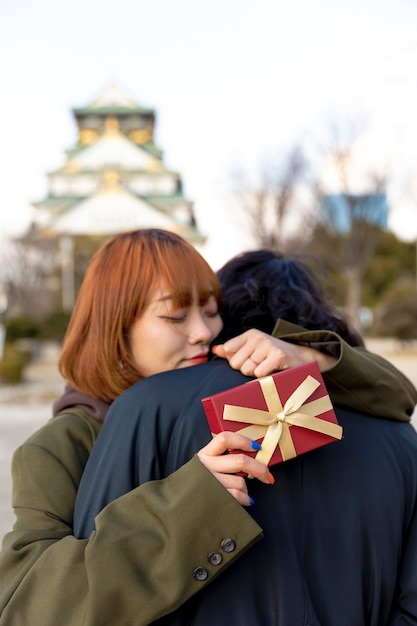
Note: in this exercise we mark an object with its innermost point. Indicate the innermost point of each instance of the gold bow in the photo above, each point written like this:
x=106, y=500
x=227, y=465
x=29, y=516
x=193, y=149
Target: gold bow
x=274, y=425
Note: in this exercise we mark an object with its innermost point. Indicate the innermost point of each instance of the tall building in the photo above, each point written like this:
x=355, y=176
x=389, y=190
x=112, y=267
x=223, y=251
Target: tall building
x=114, y=178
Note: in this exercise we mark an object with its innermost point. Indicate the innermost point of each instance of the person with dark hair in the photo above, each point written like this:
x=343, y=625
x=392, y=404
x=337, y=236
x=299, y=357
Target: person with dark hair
x=340, y=523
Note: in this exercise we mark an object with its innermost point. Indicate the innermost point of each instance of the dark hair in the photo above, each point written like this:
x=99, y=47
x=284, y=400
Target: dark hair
x=260, y=287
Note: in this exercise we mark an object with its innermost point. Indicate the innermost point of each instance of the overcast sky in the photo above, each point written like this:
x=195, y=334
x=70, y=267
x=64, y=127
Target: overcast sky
x=231, y=81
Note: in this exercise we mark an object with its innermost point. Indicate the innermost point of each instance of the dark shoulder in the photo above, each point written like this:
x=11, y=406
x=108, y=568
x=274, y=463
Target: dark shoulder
x=371, y=436
x=176, y=386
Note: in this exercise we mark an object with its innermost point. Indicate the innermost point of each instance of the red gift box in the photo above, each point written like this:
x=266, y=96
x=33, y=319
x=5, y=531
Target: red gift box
x=289, y=412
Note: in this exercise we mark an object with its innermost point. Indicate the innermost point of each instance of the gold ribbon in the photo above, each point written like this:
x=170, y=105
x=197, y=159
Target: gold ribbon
x=274, y=425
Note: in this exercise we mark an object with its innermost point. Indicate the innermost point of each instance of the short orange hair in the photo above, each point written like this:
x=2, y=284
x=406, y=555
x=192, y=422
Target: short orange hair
x=96, y=358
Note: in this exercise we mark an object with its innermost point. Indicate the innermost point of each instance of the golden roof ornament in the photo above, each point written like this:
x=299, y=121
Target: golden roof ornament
x=111, y=125
x=87, y=136
x=111, y=182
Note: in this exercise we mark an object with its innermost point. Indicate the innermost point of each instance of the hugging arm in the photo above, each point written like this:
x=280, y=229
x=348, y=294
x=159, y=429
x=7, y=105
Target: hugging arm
x=360, y=380
x=354, y=377
x=49, y=577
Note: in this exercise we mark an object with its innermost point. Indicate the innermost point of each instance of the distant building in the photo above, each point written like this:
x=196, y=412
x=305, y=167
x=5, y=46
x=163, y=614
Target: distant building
x=340, y=210
x=114, y=178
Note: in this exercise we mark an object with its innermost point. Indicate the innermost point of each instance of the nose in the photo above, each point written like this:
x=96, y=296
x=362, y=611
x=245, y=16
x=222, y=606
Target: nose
x=199, y=331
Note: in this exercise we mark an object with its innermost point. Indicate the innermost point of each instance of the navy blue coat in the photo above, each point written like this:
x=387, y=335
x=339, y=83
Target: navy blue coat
x=340, y=523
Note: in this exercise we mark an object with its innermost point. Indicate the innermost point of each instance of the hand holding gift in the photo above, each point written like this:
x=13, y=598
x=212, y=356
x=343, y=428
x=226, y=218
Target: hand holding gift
x=289, y=412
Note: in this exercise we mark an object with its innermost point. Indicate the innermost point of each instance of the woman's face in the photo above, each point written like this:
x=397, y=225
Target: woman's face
x=165, y=338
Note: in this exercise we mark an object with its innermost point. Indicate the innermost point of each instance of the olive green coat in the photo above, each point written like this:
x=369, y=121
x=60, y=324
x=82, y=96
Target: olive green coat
x=360, y=380
x=139, y=563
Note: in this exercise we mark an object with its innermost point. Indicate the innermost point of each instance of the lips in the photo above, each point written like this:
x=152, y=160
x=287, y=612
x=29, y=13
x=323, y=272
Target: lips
x=198, y=359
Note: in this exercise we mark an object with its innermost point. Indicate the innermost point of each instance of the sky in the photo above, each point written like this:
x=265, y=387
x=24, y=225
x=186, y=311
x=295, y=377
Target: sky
x=233, y=84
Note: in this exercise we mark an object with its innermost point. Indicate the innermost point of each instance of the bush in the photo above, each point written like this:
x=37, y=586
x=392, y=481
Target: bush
x=23, y=327
x=52, y=327
x=55, y=326
x=396, y=313
x=12, y=365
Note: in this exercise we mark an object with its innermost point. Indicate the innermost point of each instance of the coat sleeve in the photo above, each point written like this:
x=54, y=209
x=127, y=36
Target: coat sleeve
x=138, y=565
x=360, y=380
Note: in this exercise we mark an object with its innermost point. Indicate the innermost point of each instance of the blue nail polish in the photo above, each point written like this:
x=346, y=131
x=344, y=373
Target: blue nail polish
x=251, y=501
x=256, y=446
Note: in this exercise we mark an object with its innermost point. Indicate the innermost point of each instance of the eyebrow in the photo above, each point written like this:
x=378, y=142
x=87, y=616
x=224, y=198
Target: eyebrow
x=164, y=298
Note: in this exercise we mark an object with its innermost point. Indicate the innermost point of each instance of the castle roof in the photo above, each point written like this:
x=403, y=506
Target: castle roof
x=111, y=211
x=112, y=101
x=114, y=149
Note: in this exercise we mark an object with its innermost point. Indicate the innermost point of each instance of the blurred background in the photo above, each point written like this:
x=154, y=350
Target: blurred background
x=237, y=124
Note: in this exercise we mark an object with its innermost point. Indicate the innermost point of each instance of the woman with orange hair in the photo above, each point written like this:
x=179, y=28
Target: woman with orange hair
x=148, y=303
x=136, y=275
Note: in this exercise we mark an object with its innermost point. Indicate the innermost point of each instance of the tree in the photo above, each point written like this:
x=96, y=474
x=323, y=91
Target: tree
x=333, y=206
x=352, y=208
x=396, y=312
x=278, y=204
x=25, y=275
x=393, y=261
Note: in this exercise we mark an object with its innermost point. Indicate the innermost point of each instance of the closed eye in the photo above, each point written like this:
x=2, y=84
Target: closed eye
x=173, y=320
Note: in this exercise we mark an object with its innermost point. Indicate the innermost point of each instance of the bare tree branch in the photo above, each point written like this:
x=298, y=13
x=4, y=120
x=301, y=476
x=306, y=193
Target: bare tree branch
x=276, y=199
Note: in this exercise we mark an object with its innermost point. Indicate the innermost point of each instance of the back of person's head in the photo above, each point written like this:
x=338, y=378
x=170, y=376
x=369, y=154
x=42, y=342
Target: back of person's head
x=119, y=282
x=261, y=286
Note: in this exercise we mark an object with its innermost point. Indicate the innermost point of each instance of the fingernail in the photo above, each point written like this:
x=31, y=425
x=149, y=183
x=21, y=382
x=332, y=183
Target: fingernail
x=271, y=479
x=251, y=501
x=256, y=446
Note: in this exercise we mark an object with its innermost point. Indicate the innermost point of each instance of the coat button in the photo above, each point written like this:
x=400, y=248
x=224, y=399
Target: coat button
x=200, y=573
x=215, y=558
x=228, y=545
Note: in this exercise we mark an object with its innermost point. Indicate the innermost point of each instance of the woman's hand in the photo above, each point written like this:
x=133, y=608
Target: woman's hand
x=224, y=466
x=255, y=353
